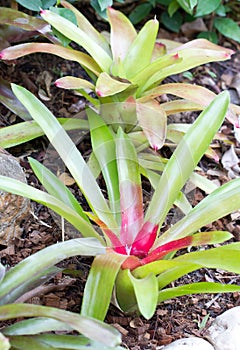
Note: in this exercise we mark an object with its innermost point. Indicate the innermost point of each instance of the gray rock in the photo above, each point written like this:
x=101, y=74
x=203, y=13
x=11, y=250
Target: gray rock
x=224, y=333
x=192, y=343
x=13, y=209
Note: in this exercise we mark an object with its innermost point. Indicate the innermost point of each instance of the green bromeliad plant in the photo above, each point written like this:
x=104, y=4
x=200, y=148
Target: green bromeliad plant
x=128, y=67
x=136, y=260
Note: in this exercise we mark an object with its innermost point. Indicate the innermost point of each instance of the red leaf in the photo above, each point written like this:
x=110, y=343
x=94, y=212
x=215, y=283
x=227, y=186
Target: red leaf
x=161, y=251
x=144, y=240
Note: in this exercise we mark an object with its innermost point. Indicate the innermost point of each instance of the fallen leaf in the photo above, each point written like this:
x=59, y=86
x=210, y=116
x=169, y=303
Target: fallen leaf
x=66, y=179
x=230, y=162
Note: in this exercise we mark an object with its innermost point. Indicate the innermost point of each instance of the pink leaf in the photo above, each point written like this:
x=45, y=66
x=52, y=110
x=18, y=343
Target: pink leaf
x=144, y=240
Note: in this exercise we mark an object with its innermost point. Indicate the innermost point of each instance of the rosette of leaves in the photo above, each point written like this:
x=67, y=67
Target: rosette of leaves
x=43, y=327
x=138, y=261
x=129, y=67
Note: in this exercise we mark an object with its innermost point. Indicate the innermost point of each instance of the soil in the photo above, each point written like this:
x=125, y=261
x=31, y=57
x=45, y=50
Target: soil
x=174, y=319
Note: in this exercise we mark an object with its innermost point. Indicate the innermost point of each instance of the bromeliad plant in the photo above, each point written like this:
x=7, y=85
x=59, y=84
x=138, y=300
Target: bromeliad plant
x=139, y=261
x=129, y=68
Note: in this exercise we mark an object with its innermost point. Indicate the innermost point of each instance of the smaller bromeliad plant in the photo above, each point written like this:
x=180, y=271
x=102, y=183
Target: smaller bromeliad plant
x=136, y=261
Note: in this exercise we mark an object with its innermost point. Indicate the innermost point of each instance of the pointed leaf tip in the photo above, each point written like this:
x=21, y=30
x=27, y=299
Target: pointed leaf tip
x=43, y=12
x=99, y=93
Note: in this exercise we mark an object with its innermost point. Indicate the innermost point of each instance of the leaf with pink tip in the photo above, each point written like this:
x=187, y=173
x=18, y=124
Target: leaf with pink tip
x=20, y=19
x=108, y=86
x=77, y=35
x=140, y=52
x=159, y=50
x=122, y=34
x=197, y=94
x=190, y=57
x=21, y=50
x=201, y=238
x=131, y=201
x=73, y=83
x=141, y=78
x=205, y=45
x=152, y=119
x=86, y=26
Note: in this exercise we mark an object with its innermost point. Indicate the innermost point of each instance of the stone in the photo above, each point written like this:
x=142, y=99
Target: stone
x=192, y=343
x=224, y=332
x=13, y=208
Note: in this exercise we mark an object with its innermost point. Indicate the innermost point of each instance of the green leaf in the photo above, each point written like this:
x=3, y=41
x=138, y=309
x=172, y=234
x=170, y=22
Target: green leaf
x=159, y=64
x=188, y=56
x=228, y=28
x=74, y=83
x=70, y=342
x=70, y=16
x=188, y=5
x=96, y=6
x=22, y=343
x=218, y=258
x=212, y=36
x=39, y=262
x=108, y=86
x=173, y=7
x=80, y=37
x=221, y=202
x=124, y=292
x=92, y=329
x=140, y=52
x=146, y=291
x=46, y=4
x=35, y=326
x=172, y=23
x=17, y=134
x=185, y=158
x=55, y=187
x=140, y=12
x=104, y=4
x=205, y=7
x=33, y=5
x=99, y=285
x=196, y=288
x=103, y=145
x=86, y=26
x=21, y=189
x=69, y=154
